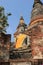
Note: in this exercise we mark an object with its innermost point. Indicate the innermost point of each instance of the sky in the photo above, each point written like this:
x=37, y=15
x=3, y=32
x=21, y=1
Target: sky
x=17, y=8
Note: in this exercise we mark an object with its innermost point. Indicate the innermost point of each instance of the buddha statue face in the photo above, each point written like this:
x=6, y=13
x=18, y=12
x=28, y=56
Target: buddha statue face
x=36, y=1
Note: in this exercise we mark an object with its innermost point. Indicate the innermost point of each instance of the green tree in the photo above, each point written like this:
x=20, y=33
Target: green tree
x=3, y=20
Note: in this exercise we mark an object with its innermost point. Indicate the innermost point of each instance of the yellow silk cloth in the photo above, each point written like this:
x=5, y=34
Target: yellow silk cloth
x=20, y=40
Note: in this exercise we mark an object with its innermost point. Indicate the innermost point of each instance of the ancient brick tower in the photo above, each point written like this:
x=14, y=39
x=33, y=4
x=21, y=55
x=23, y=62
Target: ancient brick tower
x=5, y=39
x=35, y=30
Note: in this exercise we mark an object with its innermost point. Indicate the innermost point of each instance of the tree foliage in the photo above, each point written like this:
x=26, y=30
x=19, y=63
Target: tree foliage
x=3, y=20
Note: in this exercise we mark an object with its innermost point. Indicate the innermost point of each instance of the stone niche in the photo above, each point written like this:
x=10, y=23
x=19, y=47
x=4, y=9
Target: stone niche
x=37, y=41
